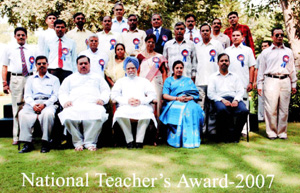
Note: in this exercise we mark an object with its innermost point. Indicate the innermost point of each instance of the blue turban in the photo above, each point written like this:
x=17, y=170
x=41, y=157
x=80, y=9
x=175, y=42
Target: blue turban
x=133, y=60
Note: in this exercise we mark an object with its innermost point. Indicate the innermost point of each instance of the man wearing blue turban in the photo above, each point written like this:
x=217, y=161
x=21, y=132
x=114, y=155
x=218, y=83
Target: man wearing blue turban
x=134, y=95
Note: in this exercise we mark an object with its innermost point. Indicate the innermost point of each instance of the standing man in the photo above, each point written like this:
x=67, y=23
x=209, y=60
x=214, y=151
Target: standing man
x=162, y=34
x=233, y=18
x=119, y=23
x=79, y=34
x=277, y=77
x=83, y=95
x=61, y=52
x=134, y=39
x=260, y=111
x=191, y=32
x=41, y=92
x=183, y=50
x=98, y=59
x=20, y=59
x=48, y=34
x=107, y=38
x=226, y=90
x=242, y=63
x=218, y=35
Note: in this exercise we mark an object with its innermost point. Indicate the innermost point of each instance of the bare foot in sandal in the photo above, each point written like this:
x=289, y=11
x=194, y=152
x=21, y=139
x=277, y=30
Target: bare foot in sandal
x=79, y=148
x=92, y=148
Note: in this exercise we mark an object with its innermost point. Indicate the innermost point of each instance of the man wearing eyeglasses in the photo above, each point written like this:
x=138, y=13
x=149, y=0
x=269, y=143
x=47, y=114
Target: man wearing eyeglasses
x=218, y=35
x=277, y=77
x=41, y=91
x=19, y=57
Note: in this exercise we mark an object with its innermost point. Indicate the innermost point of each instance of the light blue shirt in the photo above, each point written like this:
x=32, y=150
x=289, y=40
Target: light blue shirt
x=119, y=26
x=41, y=87
x=69, y=58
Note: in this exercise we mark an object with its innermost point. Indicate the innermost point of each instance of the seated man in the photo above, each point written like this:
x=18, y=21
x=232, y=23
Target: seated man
x=83, y=95
x=226, y=90
x=41, y=92
x=133, y=94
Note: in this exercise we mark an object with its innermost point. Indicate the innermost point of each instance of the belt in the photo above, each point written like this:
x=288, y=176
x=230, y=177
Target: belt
x=275, y=76
x=20, y=74
x=41, y=98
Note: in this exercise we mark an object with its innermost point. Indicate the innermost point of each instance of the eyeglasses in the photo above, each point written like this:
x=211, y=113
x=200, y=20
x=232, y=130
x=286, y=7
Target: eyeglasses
x=131, y=68
x=41, y=63
x=277, y=35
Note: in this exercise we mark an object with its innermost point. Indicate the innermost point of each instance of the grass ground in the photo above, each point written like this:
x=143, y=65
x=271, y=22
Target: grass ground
x=243, y=164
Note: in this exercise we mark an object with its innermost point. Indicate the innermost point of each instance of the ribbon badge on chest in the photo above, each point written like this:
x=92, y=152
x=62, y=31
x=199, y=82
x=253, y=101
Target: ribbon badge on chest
x=285, y=59
x=212, y=53
x=165, y=39
x=241, y=58
x=196, y=40
x=87, y=43
x=65, y=52
x=102, y=63
x=112, y=43
x=184, y=53
x=136, y=42
x=124, y=30
x=244, y=41
x=156, y=60
x=31, y=61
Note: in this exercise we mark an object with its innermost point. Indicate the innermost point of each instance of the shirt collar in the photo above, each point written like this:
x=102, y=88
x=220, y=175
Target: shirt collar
x=159, y=29
x=273, y=47
x=183, y=41
x=228, y=74
x=45, y=76
x=116, y=21
x=77, y=29
x=109, y=33
x=136, y=30
x=24, y=46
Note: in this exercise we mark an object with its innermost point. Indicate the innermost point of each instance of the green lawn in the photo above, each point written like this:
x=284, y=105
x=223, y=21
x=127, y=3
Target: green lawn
x=259, y=159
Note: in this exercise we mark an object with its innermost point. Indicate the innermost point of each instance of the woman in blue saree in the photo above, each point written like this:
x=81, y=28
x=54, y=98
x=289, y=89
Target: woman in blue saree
x=182, y=114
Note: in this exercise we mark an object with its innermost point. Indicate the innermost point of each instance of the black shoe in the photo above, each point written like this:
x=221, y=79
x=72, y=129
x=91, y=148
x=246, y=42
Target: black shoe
x=45, y=147
x=28, y=147
x=139, y=145
x=130, y=145
x=272, y=138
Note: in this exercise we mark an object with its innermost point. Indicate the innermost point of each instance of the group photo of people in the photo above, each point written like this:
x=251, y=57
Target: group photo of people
x=181, y=85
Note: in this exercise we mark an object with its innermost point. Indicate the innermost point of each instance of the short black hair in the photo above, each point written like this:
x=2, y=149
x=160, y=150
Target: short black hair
x=60, y=22
x=179, y=23
x=20, y=29
x=119, y=3
x=238, y=31
x=216, y=19
x=223, y=54
x=276, y=28
x=107, y=16
x=131, y=15
x=51, y=14
x=156, y=14
x=77, y=14
x=177, y=62
x=233, y=13
x=205, y=24
x=150, y=36
x=40, y=58
x=82, y=56
x=188, y=16
x=268, y=42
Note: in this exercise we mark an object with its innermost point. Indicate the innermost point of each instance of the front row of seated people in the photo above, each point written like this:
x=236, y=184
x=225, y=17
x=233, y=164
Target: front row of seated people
x=84, y=93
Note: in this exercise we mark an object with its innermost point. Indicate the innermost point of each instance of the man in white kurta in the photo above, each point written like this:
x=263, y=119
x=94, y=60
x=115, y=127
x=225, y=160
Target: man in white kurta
x=99, y=59
x=83, y=95
x=41, y=91
x=134, y=95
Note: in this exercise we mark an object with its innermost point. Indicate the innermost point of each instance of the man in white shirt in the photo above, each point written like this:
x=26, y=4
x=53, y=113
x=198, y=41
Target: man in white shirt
x=48, y=34
x=119, y=23
x=83, y=95
x=20, y=58
x=183, y=50
x=41, y=91
x=79, y=34
x=226, y=90
x=134, y=39
x=277, y=77
x=133, y=94
x=218, y=35
x=191, y=32
x=99, y=59
x=61, y=53
x=242, y=63
x=107, y=38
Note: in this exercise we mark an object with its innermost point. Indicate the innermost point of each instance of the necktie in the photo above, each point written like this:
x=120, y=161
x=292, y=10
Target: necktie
x=157, y=35
x=24, y=66
x=60, y=61
x=191, y=35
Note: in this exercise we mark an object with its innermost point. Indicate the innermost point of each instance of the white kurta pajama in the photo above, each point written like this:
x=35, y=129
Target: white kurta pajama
x=138, y=88
x=83, y=90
